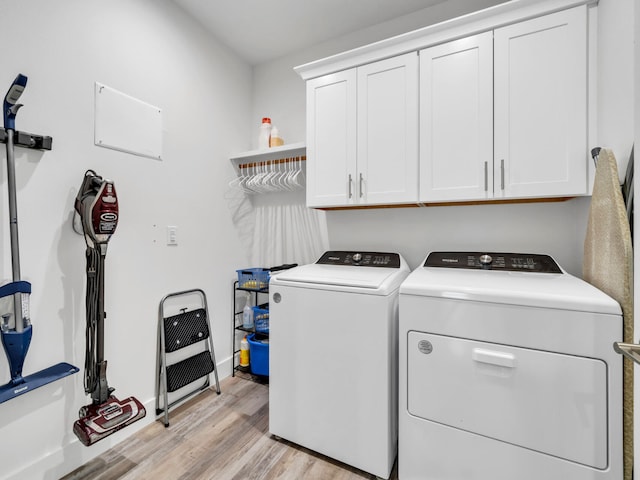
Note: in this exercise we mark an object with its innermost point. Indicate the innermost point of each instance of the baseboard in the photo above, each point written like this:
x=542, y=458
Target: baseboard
x=74, y=454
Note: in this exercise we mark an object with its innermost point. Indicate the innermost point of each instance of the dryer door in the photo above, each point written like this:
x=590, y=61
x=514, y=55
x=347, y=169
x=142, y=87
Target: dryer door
x=548, y=402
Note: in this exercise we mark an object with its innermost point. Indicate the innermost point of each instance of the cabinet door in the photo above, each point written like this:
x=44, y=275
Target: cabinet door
x=541, y=106
x=331, y=140
x=388, y=131
x=456, y=120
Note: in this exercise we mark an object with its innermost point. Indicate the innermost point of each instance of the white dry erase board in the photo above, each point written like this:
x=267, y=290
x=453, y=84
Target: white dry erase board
x=127, y=124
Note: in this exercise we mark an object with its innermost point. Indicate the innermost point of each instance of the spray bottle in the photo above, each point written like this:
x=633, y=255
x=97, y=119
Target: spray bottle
x=247, y=313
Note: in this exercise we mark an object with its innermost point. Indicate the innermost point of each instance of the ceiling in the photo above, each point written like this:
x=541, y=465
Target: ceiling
x=260, y=31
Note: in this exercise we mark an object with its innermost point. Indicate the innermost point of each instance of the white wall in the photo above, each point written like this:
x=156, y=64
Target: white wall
x=616, y=77
x=554, y=228
x=150, y=50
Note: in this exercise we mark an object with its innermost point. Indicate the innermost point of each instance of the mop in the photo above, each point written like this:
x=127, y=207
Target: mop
x=96, y=207
x=15, y=325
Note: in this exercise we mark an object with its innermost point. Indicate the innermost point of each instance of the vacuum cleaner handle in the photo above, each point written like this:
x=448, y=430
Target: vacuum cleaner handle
x=10, y=107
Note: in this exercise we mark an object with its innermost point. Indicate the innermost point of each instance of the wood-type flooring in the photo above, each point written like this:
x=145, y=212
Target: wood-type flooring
x=215, y=437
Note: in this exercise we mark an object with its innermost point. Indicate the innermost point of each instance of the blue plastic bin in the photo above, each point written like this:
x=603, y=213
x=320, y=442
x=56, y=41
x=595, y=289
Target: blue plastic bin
x=253, y=278
x=261, y=319
x=259, y=354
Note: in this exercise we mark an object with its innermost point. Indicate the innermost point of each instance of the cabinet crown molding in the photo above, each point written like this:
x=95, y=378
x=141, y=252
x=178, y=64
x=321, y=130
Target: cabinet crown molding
x=487, y=19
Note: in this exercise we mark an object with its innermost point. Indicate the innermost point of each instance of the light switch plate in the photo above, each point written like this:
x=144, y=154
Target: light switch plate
x=172, y=235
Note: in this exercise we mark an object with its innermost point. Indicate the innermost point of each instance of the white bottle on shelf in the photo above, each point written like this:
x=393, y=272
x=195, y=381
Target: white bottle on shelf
x=265, y=133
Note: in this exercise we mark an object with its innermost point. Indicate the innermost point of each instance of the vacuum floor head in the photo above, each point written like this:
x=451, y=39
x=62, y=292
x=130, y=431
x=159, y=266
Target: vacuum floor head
x=99, y=421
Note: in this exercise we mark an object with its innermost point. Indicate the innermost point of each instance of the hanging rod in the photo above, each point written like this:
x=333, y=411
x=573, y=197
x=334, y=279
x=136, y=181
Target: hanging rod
x=629, y=350
x=273, y=162
x=595, y=153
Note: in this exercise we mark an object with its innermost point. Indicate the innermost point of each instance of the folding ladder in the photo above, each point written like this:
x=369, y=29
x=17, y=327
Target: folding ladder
x=185, y=349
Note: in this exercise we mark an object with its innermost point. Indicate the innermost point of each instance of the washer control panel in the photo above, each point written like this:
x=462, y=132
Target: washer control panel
x=510, y=262
x=360, y=259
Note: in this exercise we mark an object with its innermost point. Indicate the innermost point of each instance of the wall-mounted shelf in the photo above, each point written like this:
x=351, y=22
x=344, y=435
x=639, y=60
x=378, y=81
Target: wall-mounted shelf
x=268, y=154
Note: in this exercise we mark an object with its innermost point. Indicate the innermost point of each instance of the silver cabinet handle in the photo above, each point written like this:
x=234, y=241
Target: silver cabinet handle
x=486, y=176
x=350, y=183
x=360, y=186
x=502, y=174
x=629, y=350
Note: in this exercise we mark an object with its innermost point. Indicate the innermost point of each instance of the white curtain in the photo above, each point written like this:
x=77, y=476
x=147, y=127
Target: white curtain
x=277, y=227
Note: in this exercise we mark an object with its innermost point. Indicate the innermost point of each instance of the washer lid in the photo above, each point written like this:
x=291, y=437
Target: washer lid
x=372, y=278
x=545, y=290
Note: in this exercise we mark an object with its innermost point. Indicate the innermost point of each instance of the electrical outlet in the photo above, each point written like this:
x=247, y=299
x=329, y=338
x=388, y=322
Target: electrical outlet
x=172, y=235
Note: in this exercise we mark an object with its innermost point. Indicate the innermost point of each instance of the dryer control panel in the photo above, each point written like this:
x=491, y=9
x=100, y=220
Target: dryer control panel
x=511, y=262
x=360, y=259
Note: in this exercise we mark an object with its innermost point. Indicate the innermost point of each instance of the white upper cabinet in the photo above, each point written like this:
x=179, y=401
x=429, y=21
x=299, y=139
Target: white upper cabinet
x=388, y=131
x=362, y=135
x=540, y=82
x=331, y=139
x=456, y=120
x=487, y=107
x=504, y=113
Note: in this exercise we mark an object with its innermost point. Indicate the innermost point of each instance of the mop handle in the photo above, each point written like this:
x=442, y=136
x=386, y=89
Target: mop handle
x=10, y=108
x=13, y=208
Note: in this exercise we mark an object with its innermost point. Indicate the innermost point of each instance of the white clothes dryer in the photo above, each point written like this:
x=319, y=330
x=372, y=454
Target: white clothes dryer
x=333, y=346
x=507, y=370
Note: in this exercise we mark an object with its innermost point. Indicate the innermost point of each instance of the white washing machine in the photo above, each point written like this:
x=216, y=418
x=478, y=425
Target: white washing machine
x=333, y=347
x=507, y=371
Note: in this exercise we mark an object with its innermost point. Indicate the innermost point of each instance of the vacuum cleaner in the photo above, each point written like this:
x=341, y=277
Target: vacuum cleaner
x=15, y=323
x=96, y=207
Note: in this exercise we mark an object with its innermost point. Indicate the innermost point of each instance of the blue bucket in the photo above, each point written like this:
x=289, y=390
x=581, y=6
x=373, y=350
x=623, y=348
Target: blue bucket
x=259, y=354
